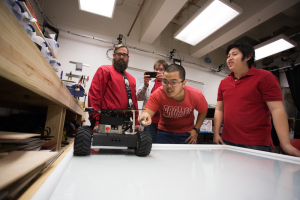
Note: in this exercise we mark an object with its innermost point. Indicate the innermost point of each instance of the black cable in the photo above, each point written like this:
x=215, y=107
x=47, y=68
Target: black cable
x=44, y=16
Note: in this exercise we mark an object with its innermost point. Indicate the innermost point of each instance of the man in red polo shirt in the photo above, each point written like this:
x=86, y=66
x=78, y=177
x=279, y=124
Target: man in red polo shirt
x=108, y=90
x=246, y=98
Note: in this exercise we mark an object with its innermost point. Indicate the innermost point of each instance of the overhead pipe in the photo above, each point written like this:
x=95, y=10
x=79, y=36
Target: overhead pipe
x=284, y=68
x=136, y=17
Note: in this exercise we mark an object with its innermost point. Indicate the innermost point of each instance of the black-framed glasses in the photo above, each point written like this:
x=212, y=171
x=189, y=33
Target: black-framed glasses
x=125, y=55
x=172, y=83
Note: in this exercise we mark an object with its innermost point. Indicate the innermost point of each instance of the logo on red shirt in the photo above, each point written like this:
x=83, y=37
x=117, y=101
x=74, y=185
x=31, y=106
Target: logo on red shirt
x=176, y=111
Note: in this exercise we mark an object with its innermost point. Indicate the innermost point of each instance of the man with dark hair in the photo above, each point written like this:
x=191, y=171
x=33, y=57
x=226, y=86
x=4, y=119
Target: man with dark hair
x=176, y=102
x=149, y=87
x=246, y=98
x=108, y=88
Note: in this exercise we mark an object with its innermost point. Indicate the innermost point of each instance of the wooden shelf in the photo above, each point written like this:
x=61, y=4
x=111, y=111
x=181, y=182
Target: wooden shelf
x=27, y=79
x=23, y=64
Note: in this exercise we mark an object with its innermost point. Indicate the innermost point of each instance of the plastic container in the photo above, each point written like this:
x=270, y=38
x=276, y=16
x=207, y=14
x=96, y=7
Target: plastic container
x=18, y=10
x=37, y=39
x=53, y=44
x=55, y=64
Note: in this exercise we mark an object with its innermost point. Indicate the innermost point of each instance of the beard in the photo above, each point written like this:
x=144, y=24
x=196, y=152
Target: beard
x=120, y=65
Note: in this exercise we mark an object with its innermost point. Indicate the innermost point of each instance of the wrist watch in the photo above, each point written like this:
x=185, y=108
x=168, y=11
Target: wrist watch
x=197, y=130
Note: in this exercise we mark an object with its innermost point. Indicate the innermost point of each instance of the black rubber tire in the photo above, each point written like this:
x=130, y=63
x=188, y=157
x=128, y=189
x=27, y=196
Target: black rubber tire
x=83, y=140
x=144, y=144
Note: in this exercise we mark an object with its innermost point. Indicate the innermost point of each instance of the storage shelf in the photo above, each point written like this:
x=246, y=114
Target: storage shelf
x=23, y=64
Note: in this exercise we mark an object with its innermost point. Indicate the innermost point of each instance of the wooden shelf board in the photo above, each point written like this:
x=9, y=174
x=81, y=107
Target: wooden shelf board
x=21, y=62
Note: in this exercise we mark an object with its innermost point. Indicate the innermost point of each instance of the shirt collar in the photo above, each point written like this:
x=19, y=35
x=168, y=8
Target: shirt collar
x=251, y=72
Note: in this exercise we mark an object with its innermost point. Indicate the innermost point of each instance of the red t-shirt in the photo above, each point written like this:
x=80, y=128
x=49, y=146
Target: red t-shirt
x=155, y=118
x=176, y=116
x=108, y=92
x=246, y=115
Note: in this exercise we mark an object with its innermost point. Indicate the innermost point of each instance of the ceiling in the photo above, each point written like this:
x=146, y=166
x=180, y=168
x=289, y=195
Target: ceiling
x=162, y=18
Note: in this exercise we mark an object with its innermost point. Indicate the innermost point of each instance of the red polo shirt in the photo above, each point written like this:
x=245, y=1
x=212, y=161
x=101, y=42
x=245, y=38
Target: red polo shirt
x=107, y=91
x=246, y=115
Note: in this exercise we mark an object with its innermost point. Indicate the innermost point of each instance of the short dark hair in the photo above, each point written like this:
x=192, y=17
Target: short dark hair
x=247, y=51
x=120, y=46
x=176, y=68
x=161, y=62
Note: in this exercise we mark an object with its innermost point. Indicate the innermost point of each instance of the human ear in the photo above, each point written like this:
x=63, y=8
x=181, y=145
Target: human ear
x=183, y=83
x=249, y=57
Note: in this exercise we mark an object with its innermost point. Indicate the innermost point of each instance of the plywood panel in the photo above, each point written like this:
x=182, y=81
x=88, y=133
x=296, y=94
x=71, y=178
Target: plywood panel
x=16, y=136
x=55, y=120
x=18, y=163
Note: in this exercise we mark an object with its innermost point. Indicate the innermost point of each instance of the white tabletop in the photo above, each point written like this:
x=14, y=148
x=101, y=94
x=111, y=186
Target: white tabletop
x=181, y=172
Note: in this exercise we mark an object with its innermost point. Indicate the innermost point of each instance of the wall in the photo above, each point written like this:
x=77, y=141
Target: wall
x=92, y=52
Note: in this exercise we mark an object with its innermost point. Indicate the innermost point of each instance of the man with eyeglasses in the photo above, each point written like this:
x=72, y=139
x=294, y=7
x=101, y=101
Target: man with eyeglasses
x=108, y=88
x=149, y=87
x=176, y=102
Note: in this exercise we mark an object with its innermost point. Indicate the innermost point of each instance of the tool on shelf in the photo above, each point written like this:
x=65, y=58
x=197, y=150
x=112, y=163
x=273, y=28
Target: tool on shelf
x=85, y=80
x=77, y=87
x=80, y=81
x=82, y=78
x=84, y=99
x=73, y=62
x=74, y=75
x=69, y=76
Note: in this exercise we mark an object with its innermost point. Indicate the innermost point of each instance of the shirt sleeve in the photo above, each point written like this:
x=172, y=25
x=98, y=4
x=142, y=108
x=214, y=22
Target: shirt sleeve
x=154, y=101
x=270, y=88
x=96, y=91
x=201, y=103
x=141, y=92
x=220, y=93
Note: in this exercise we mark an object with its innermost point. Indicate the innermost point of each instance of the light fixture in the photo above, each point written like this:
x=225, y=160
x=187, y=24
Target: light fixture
x=273, y=46
x=100, y=7
x=211, y=16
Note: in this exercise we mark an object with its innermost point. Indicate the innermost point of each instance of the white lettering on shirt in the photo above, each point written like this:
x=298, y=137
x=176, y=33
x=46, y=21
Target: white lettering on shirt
x=176, y=111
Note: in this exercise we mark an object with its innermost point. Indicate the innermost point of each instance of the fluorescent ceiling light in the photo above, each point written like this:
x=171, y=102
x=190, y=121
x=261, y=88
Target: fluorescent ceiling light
x=273, y=46
x=211, y=16
x=100, y=7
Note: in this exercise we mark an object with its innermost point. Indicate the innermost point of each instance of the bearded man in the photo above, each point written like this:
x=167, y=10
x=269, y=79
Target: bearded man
x=108, y=88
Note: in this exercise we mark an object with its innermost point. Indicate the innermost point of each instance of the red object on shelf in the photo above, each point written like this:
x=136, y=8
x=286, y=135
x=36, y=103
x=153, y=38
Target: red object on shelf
x=48, y=145
x=31, y=10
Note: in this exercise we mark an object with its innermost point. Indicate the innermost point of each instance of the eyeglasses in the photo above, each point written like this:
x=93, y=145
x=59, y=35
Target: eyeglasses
x=125, y=55
x=172, y=83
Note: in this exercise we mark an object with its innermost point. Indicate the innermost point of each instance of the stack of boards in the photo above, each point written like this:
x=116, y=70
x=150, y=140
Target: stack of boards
x=11, y=141
x=19, y=163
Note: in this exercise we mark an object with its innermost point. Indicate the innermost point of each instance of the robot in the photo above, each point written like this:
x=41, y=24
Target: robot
x=116, y=128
